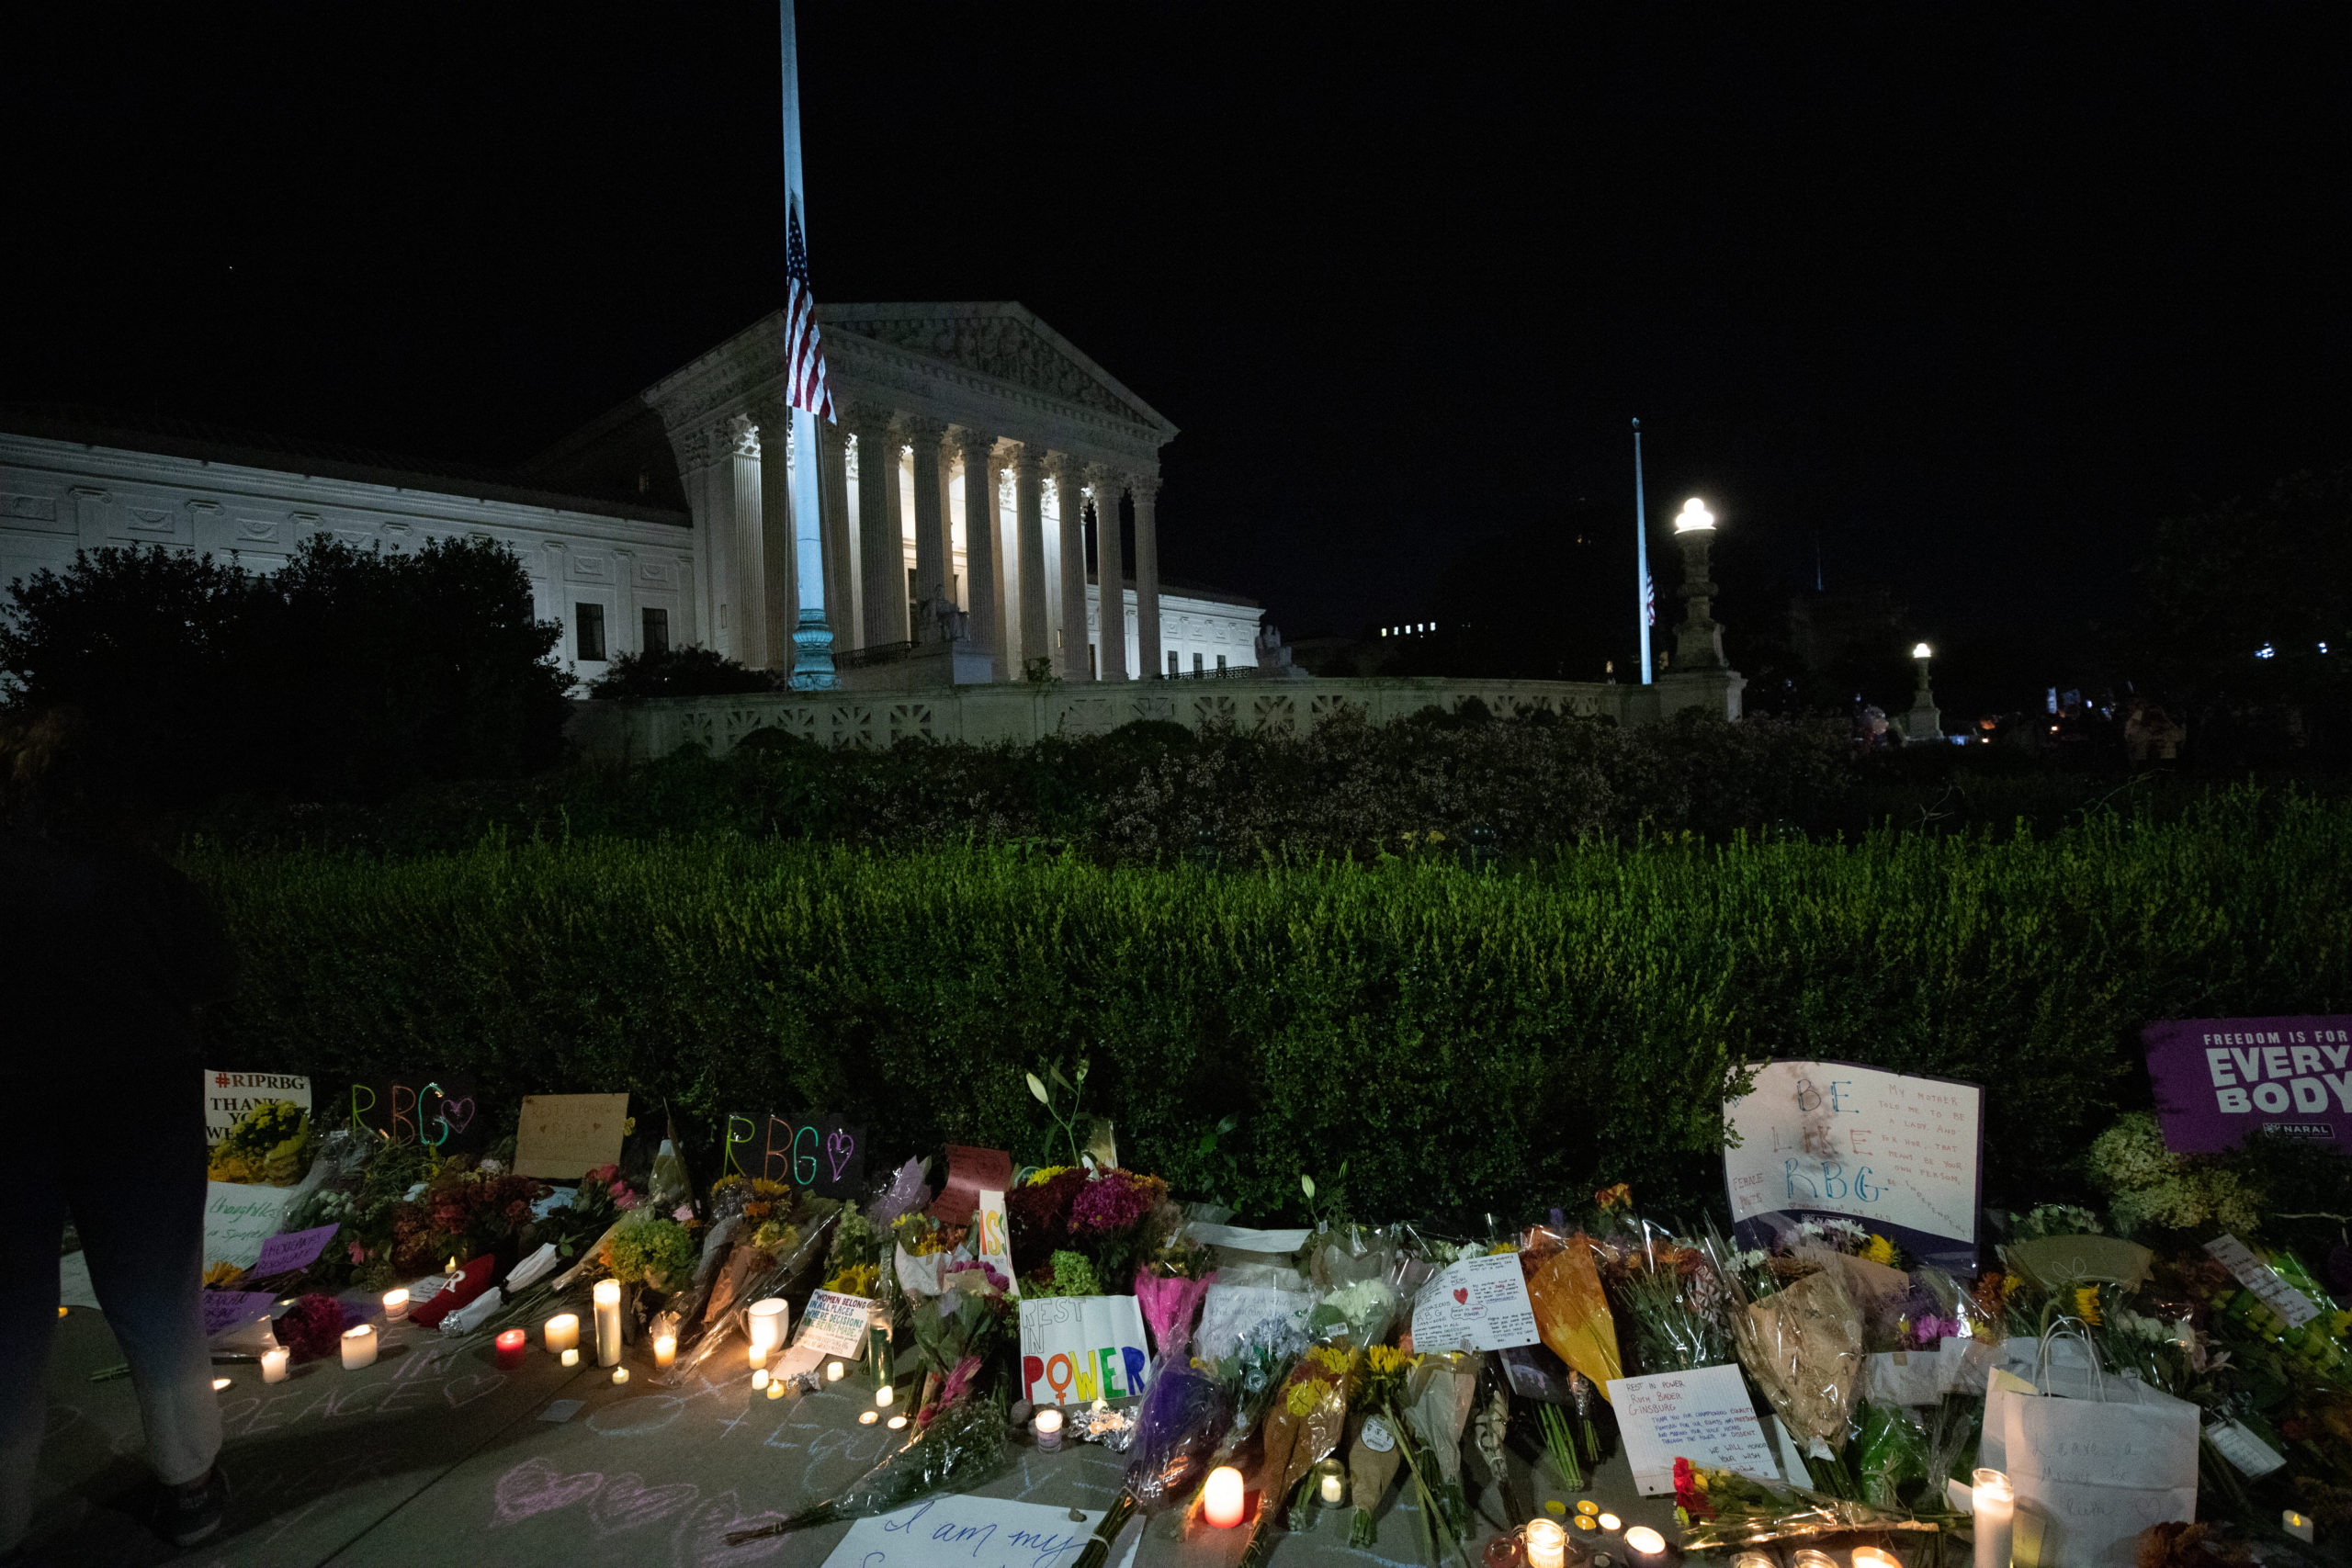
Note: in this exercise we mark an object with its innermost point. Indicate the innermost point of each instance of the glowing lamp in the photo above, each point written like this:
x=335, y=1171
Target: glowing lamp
x=1923, y=651
x=1547, y=1544
x=1223, y=1499
x=1694, y=516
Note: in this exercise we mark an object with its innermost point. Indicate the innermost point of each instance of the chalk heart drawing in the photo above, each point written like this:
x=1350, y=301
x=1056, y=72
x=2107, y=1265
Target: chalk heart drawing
x=466, y=1390
x=626, y=1503
x=839, y=1148
x=535, y=1486
x=702, y=1540
x=458, y=1114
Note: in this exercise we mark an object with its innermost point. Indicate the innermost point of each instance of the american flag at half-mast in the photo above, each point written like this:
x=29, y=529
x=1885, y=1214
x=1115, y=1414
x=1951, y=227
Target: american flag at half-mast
x=805, y=353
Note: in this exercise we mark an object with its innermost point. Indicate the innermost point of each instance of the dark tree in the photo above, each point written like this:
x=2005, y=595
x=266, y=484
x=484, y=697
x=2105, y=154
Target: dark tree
x=679, y=673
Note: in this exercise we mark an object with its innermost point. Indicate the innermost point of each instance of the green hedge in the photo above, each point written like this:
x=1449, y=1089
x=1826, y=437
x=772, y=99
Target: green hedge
x=1463, y=1041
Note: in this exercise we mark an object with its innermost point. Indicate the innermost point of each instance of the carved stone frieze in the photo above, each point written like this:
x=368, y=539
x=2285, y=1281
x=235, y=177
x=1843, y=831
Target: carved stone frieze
x=995, y=345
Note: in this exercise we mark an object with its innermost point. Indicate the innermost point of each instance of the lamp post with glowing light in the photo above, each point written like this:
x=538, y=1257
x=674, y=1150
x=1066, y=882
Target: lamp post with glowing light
x=1698, y=642
x=1925, y=721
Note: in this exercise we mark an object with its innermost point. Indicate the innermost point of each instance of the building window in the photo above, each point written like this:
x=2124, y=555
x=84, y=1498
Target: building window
x=914, y=604
x=1196, y=664
x=657, y=632
x=1171, y=662
x=1220, y=664
x=588, y=631
x=1091, y=674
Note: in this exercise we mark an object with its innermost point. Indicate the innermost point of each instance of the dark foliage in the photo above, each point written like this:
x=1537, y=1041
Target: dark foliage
x=679, y=673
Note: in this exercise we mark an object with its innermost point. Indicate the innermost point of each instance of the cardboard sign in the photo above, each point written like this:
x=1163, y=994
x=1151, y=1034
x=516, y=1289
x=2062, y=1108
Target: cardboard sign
x=2218, y=1079
x=823, y=1153
x=833, y=1324
x=2267, y=1284
x=1704, y=1415
x=1481, y=1300
x=1076, y=1350
x=971, y=1172
x=438, y=1112
x=295, y=1249
x=230, y=1309
x=240, y=1219
x=564, y=1135
x=228, y=1096
x=992, y=1238
x=1900, y=1154
x=964, y=1531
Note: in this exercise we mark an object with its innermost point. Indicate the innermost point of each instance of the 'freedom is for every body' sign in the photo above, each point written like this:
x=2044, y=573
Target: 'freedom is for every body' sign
x=2219, y=1079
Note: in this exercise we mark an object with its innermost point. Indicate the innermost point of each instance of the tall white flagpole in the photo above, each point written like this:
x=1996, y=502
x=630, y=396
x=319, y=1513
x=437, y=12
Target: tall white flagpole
x=812, y=637
x=1641, y=554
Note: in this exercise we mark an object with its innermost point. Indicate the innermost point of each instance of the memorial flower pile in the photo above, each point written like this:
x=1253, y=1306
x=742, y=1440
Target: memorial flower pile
x=270, y=1144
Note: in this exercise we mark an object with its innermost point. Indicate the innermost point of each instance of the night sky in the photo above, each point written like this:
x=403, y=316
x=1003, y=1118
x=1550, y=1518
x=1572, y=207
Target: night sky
x=1964, y=297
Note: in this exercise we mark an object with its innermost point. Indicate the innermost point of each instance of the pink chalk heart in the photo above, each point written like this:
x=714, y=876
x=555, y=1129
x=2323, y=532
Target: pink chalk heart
x=626, y=1503
x=535, y=1487
x=457, y=1113
x=1462, y=1294
x=840, y=1148
x=702, y=1539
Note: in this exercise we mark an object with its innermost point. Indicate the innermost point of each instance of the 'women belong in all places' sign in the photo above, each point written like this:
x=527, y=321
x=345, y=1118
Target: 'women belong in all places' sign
x=2219, y=1079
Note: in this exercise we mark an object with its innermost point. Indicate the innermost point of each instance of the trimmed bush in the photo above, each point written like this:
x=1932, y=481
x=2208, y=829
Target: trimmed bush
x=1466, y=1042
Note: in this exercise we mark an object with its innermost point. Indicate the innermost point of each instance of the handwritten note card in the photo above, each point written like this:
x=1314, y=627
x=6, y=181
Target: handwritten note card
x=1079, y=1348
x=971, y=1172
x=228, y=1096
x=563, y=1136
x=296, y=1249
x=967, y=1532
x=1482, y=1300
x=833, y=1324
x=1884, y=1147
x=1704, y=1416
x=239, y=1219
x=2264, y=1280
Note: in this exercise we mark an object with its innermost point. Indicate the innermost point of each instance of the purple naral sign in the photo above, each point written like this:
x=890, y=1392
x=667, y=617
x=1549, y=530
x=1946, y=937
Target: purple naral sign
x=2219, y=1079
x=296, y=1249
x=224, y=1309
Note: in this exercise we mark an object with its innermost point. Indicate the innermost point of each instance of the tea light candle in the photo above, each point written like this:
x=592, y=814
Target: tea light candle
x=1047, y=1426
x=1547, y=1544
x=1584, y=1522
x=868, y=1417
x=2295, y=1524
x=620, y=1374
x=571, y=1355
x=1648, y=1547
x=759, y=1377
x=1586, y=1505
x=775, y=1389
x=219, y=1384
x=512, y=1345
x=1810, y=1558
x=561, y=1333
x=763, y=1325
x=358, y=1348
x=835, y=1371
x=1331, y=1482
x=883, y=1395
x=1876, y=1557
x=275, y=1365
x=608, y=1298
x=1223, y=1498
x=395, y=1305
x=1610, y=1521
x=897, y=1423
x=1753, y=1560
x=1994, y=1502
x=665, y=1350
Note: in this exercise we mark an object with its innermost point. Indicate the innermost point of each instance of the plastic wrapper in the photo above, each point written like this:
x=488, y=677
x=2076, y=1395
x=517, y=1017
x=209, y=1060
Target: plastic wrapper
x=1305, y=1424
x=1361, y=1313
x=1439, y=1395
x=1675, y=1303
x=1572, y=1311
x=1184, y=1416
x=749, y=1275
x=1803, y=1346
x=965, y=1446
x=1348, y=1256
x=1170, y=1306
x=1725, y=1511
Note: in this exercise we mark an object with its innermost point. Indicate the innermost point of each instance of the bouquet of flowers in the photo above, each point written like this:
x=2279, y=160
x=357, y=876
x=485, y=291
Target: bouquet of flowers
x=1675, y=1302
x=1308, y=1419
x=1177, y=1428
x=1375, y=1449
x=1724, y=1511
x=1571, y=1310
x=269, y=1146
x=1802, y=1345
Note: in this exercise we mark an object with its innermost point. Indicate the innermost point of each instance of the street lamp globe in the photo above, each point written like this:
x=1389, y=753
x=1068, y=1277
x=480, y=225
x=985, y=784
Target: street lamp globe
x=1923, y=651
x=1693, y=516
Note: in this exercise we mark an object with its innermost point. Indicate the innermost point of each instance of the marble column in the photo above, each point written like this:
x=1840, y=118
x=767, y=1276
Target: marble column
x=840, y=559
x=1110, y=573
x=1149, y=662
x=1029, y=528
x=771, y=584
x=987, y=595
x=1070, y=476
x=739, y=471
x=932, y=559
x=881, y=550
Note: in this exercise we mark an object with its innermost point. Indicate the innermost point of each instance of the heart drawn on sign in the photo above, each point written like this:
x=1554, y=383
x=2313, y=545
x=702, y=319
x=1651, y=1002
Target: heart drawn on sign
x=1462, y=1294
x=535, y=1486
x=839, y=1146
x=457, y=1113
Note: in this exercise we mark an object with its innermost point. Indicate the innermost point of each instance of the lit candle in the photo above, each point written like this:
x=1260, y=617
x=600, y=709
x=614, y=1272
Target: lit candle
x=1648, y=1547
x=1584, y=1522
x=1586, y=1505
x=512, y=1345
x=868, y=1417
x=2297, y=1525
x=1753, y=1560
x=607, y=1297
x=219, y=1384
x=395, y=1305
x=1547, y=1544
x=1876, y=1557
x=1610, y=1521
x=883, y=1395
x=358, y=1348
x=835, y=1371
x=1047, y=1426
x=274, y=1364
x=1810, y=1558
x=775, y=1389
x=758, y=1355
x=620, y=1374
x=1223, y=1499
x=897, y=1423
x=759, y=1377
x=571, y=1355
x=562, y=1333
x=1331, y=1482
x=764, y=1323
x=1996, y=1506
x=665, y=1350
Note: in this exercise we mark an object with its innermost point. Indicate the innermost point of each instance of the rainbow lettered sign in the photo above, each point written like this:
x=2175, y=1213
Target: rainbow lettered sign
x=1075, y=1349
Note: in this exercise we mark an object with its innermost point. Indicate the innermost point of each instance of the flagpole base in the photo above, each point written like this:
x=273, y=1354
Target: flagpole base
x=812, y=655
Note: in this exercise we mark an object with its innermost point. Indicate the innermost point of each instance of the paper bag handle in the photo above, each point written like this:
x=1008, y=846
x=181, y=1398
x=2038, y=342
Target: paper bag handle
x=2058, y=1330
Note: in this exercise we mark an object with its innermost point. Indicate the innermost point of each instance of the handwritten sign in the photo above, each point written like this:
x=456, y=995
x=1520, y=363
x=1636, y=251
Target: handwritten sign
x=295, y=1249
x=2218, y=1079
x=437, y=1110
x=967, y=1532
x=228, y=1096
x=563, y=1136
x=1895, y=1152
x=239, y=1219
x=1079, y=1348
x=824, y=1153
x=1704, y=1415
x=993, y=1238
x=2267, y=1284
x=833, y=1324
x=1482, y=1300
x=971, y=1172
x=230, y=1309
x=1229, y=1312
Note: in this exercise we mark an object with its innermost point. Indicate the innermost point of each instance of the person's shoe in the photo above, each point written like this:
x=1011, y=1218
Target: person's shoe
x=192, y=1510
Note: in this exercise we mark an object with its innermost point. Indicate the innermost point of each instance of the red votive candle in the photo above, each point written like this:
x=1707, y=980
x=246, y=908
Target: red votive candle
x=512, y=1345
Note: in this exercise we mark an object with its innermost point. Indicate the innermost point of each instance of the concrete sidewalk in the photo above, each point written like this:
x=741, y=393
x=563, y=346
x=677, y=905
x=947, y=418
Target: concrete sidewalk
x=434, y=1456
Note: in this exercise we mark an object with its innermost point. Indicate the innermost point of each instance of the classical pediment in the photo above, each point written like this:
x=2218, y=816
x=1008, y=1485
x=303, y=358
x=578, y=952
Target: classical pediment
x=997, y=339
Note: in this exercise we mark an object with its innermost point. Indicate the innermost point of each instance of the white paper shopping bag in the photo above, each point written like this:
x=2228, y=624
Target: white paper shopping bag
x=2092, y=1472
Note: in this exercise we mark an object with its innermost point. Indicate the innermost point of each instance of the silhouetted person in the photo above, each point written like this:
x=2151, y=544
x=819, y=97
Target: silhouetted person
x=111, y=951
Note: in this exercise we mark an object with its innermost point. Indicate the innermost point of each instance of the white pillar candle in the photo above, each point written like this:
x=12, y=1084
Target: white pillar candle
x=358, y=1348
x=882, y=1395
x=608, y=1322
x=764, y=1323
x=274, y=1365
x=759, y=1378
x=665, y=1350
x=1223, y=1498
x=1547, y=1544
x=835, y=1371
x=1335, y=1489
x=1996, y=1506
x=395, y=1305
x=562, y=1333
x=571, y=1355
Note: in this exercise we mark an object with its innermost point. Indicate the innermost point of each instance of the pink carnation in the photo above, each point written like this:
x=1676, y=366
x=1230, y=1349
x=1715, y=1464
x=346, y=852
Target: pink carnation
x=1115, y=1200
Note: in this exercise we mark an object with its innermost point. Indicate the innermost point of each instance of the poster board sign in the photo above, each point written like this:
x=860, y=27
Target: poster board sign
x=993, y=1240
x=970, y=1172
x=824, y=1153
x=1900, y=1154
x=1076, y=1350
x=964, y=1531
x=1704, y=1415
x=437, y=1110
x=1480, y=1300
x=228, y=1096
x=295, y=1249
x=833, y=1324
x=2216, y=1079
x=562, y=1136
x=240, y=1219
